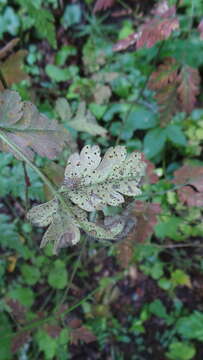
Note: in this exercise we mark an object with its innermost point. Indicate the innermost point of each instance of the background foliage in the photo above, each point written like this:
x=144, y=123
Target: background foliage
x=112, y=73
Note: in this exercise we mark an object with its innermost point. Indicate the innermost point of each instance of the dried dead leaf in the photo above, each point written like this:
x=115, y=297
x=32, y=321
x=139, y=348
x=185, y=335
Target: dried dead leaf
x=189, y=81
x=102, y=5
x=200, y=29
x=30, y=130
x=159, y=27
x=12, y=69
x=82, y=334
x=192, y=177
x=8, y=47
x=145, y=215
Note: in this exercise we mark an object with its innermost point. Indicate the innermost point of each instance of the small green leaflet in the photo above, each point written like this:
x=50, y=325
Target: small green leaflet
x=26, y=127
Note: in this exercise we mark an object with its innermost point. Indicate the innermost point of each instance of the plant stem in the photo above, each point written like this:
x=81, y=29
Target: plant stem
x=2, y=78
x=20, y=154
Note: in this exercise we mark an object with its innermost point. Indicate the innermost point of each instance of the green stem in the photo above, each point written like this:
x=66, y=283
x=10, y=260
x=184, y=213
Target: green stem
x=18, y=152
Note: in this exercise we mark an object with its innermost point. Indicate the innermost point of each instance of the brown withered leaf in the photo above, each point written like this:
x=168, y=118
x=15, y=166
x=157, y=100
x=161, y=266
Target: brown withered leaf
x=159, y=27
x=146, y=218
x=165, y=74
x=200, y=29
x=82, y=334
x=17, y=310
x=102, y=5
x=165, y=82
x=27, y=128
x=124, y=251
x=12, y=69
x=146, y=215
x=53, y=330
x=126, y=42
x=8, y=47
x=156, y=28
x=188, y=89
x=150, y=176
x=192, y=176
x=19, y=340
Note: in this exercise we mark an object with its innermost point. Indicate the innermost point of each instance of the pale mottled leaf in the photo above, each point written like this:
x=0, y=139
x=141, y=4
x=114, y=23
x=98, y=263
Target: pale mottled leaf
x=93, y=184
x=30, y=130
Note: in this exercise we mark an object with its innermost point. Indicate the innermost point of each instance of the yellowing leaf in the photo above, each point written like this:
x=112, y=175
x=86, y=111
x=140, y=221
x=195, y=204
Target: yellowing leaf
x=30, y=130
x=12, y=260
x=83, y=120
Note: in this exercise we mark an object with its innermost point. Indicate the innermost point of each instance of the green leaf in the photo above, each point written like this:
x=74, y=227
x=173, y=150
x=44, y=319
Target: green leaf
x=121, y=86
x=43, y=20
x=181, y=351
x=157, y=308
x=58, y=276
x=30, y=274
x=47, y=344
x=9, y=238
x=175, y=135
x=140, y=118
x=154, y=142
x=165, y=283
x=179, y=277
x=71, y=16
x=24, y=295
x=57, y=74
x=169, y=228
x=190, y=326
x=63, y=54
x=98, y=110
x=5, y=342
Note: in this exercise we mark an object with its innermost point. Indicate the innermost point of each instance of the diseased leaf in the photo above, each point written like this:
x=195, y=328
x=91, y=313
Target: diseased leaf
x=189, y=80
x=93, y=184
x=30, y=130
x=12, y=69
x=192, y=178
x=102, y=5
x=64, y=224
x=83, y=120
